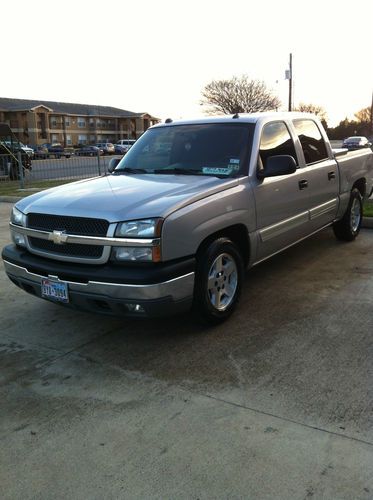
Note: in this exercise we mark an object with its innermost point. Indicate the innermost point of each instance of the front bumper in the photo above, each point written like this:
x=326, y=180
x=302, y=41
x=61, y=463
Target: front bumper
x=162, y=290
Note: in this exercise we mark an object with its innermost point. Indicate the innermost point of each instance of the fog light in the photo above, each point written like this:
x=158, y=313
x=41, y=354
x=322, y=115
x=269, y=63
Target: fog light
x=18, y=239
x=136, y=308
x=133, y=253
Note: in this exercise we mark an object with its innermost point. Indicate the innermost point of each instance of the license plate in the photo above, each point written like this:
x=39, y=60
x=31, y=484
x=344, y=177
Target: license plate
x=55, y=290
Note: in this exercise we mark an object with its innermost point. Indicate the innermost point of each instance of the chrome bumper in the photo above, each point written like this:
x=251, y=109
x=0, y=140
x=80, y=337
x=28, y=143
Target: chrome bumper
x=88, y=295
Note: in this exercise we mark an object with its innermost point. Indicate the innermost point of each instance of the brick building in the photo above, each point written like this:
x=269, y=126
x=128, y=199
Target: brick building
x=38, y=122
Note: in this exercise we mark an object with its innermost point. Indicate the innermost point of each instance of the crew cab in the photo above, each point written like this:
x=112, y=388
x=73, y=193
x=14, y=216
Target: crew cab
x=176, y=221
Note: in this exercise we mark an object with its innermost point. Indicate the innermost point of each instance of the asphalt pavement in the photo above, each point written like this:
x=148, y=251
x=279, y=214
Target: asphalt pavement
x=277, y=403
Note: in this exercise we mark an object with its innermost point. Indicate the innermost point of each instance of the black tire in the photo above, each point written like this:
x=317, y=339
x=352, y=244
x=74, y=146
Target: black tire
x=348, y=227
x=216, y=296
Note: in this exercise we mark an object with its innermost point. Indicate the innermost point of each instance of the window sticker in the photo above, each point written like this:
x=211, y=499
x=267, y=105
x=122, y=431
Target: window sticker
x=217, y=170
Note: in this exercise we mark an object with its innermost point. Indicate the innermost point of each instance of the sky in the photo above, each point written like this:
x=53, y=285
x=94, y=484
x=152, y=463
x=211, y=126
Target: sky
x=157, y=56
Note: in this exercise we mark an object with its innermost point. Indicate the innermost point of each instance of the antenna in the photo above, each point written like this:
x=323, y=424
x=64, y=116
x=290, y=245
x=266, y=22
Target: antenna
x=290, y=81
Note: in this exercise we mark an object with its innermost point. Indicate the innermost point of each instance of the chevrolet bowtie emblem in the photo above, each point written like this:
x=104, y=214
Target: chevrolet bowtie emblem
x=58, y=237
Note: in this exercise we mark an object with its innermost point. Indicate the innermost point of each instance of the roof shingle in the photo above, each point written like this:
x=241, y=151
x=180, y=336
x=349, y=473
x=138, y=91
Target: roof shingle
x=9, y=104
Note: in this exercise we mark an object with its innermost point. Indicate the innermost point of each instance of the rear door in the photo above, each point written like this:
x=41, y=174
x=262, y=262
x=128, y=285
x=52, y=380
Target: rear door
x=282, y=202
x=320, y=173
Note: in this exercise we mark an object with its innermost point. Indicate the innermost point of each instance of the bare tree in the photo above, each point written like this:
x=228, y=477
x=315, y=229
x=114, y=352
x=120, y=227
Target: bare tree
x=238, y=95
x=315, y=110
x=364, y=115
x=312, y=108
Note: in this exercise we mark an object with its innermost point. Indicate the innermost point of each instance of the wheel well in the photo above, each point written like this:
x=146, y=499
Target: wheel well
x=360, y=184
x=238, y=234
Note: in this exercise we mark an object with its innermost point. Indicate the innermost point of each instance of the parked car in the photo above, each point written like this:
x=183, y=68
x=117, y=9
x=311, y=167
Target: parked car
x=40, y=152
x=57, y=150
x=356, y=142
x=174, y=227
x=107, y=147
x=120, y=150
x=126, y=143
x=89, y=151
x=10, y=147
x=26, y=149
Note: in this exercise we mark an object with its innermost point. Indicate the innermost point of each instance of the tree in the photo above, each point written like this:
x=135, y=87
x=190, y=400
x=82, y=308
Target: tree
x=314, y=109
x=238, y=95
x=364, y=115
x=362, y=125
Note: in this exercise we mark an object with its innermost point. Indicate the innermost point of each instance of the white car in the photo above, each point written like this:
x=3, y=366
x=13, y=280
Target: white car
x=29, y=151
x=126, y=144
x=356, y=142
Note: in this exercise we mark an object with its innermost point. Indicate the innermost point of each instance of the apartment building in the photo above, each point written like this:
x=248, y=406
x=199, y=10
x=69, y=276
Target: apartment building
x=38, y=122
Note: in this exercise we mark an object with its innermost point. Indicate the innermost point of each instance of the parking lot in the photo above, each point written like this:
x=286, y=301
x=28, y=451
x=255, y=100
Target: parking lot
x=276, y=403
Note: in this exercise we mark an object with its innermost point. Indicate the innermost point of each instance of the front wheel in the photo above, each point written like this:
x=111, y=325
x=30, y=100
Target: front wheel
x=348, y=227
x=219, y=276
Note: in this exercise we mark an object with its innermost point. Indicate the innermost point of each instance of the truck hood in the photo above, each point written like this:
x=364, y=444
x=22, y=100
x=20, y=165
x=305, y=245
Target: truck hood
x=125, y=197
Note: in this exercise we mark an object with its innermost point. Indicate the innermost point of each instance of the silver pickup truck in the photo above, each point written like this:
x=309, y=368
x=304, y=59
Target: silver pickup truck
x=175, y=223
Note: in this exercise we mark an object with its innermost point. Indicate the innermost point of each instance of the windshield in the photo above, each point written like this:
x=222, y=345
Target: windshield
x=205, y=149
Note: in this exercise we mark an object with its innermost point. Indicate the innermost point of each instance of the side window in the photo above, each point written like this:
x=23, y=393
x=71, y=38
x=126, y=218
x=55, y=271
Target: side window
x=275, y=140
x=312, y=142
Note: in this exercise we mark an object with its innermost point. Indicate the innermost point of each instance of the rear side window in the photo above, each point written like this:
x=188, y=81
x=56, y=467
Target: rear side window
x=310, y=137
x=275, y=140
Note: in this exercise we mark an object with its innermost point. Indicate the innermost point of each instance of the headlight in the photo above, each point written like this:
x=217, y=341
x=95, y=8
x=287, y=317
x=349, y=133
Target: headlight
x=139, y=229
x=18, y=217
x=146, y=228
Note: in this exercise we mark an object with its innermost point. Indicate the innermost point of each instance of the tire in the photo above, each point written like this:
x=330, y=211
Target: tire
x=218, y=281
x=348, y=227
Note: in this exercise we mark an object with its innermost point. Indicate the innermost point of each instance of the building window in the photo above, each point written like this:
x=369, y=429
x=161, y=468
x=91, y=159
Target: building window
x=53, y=121
x=81, y=123
x=68, y=140
x=54, y=138
x=67, y=122
x=92, y=139
x=82, y=139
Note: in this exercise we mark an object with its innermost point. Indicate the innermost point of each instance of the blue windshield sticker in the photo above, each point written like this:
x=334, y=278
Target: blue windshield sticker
x=234, y=161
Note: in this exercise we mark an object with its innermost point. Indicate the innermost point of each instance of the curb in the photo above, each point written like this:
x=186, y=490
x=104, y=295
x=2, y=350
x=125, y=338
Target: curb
x=367, y=222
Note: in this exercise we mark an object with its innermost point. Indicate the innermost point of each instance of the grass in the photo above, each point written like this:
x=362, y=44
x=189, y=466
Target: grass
x=368, y=208
x=11, y=188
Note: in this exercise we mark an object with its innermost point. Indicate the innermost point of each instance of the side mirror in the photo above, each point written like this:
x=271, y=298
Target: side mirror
x=112, y=164
x=278, y=165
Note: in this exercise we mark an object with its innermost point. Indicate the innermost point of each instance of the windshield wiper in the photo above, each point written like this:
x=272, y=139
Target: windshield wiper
x=129, y=170
x=177, y=170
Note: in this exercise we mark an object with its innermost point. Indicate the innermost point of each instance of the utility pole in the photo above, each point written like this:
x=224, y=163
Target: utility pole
x=371, y=116
x=290, y=81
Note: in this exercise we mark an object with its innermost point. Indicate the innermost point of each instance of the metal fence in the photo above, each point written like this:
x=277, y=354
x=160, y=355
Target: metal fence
x=50, y=171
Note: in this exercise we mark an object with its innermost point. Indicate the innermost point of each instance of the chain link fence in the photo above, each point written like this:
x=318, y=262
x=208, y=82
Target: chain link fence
x=17, y=173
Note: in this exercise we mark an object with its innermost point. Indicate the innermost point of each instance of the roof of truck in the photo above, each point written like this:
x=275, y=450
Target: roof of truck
x=239, y=118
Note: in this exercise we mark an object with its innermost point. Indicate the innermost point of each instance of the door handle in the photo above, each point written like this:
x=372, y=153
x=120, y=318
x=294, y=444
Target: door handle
x=303, y=184
x=331, y=175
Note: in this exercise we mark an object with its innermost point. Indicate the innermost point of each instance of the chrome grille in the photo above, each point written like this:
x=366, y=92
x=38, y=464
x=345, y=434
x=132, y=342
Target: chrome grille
x=81, y=226
x=71, y=249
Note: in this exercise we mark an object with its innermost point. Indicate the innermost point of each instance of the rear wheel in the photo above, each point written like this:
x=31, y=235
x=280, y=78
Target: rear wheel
x=348, y=227
x=219, y=277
